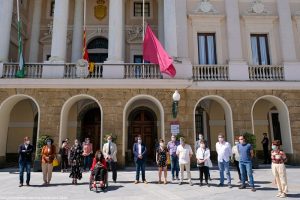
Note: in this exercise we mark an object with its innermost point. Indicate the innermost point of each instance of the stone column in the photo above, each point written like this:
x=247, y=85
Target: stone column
x=161, y=21
x=60, y=29
x=287, y=41
x=77, y=31
x=6, y=11
x=238, y=68
x=116, y=37
x=35, y=31
x=170, y=27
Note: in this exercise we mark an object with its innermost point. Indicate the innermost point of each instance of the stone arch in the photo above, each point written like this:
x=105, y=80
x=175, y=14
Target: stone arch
x=227, y=111
x=5, y=110
x=284, y=119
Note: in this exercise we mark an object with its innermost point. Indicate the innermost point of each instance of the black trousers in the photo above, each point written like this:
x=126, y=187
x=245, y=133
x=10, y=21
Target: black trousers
x=99, y=174
x=113, y=167
x=203, y=170
x=266, y=155
x=64, y=162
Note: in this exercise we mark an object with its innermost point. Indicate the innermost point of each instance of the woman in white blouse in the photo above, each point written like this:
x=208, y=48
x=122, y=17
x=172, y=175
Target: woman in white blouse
x=203, y=162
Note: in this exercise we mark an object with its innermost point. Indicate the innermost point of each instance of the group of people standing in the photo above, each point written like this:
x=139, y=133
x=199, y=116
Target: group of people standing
x=175, y=152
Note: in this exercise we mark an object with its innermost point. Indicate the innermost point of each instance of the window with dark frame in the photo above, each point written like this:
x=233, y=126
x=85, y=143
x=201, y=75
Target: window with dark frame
x=138, y=9
x=207, y=52
x=52, y=6
x=260, y=49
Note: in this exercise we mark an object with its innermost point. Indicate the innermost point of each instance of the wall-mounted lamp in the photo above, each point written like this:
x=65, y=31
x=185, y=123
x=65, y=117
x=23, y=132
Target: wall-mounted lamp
x=176, y=99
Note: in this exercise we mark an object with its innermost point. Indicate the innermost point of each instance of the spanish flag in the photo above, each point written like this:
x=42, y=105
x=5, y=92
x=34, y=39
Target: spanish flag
x=85, y=54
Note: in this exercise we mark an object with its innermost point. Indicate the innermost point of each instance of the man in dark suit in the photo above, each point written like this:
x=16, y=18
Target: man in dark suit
x=139, y=151
x=25, y=157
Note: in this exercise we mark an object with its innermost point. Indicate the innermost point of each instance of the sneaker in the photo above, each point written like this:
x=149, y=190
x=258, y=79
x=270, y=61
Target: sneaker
x=21, y=185
x=242, y=187
x=279, y=194
x=283, y=195
x=253, y=189
x=229, y=185
x=145, y=182
x=220, y=185
x=136, y=182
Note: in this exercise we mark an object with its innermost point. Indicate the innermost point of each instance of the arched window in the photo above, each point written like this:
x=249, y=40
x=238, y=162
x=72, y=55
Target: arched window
x=98, y=50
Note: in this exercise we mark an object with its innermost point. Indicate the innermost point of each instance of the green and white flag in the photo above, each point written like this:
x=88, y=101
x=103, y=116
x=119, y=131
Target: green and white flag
x=20, y=72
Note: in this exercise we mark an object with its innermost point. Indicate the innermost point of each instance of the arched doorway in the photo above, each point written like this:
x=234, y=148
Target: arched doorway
x=98, y=50
x=143, y=111
x=81, y=117
x=142, y=122
x=19, y=117
x=213, y=115
x=270, y=115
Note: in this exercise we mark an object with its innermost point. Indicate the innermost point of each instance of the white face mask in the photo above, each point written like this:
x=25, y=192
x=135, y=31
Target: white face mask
x=109, y=141
x=140, y=141
x=76, y=143
x=27, y=142
x=202, y=146
x=181, y=142
x=173, y=139
x=161, y=144
x=200, y=137
x=221, y=139
x=236, y=143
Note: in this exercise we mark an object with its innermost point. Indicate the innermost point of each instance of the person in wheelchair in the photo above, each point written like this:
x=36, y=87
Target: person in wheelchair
x=99, y=169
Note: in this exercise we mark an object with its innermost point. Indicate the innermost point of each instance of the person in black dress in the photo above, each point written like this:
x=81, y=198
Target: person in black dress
x=265, y=144
x=76, y=162
x=161, y=160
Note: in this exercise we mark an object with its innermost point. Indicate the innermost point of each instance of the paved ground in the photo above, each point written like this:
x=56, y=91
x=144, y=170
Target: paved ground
x=61, y=189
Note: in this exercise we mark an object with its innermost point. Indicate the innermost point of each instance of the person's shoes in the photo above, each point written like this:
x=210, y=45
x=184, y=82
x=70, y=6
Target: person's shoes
x=136, y=182
x=191, y=184
x=180, y=183
x=201, y=184
x=28, y=184
x=173, y=179
x=72, y=181
x=207, y=185
x=114, y=181
x=165, y=182
x=229, y=185
x=253, y=189
x=209, y=178
x=279, y=194
x=220, y=185
x=159, y=182
x=242, y=187
x=45, y=183
x=177, y=178
x=145, y=182
x=283, y=195
x=21, y=185
x=75, y=182
x=62, y=171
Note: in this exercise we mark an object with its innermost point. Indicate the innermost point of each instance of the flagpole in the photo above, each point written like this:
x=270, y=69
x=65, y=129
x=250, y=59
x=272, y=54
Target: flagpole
x=84, y=15
x=143, y=67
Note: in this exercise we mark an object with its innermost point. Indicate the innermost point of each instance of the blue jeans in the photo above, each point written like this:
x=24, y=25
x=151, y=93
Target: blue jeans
x=224, y=166
x=87, y=162
x=140, y=166
x=174, y=166
x=246, y=169
x=24, y=165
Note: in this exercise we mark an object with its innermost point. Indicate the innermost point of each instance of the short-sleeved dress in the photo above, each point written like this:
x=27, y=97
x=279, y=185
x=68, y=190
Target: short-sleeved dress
x=162, y=156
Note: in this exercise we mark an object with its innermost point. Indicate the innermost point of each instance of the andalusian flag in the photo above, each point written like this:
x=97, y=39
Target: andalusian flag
x=20, y=73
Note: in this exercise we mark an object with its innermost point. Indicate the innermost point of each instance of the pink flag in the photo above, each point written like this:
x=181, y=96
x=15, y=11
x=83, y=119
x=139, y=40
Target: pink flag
x=154, y=52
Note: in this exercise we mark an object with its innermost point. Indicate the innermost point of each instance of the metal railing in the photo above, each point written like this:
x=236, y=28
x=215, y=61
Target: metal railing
x=142, y=71
x=210, y=72
x=266, y=72
x=31, y=70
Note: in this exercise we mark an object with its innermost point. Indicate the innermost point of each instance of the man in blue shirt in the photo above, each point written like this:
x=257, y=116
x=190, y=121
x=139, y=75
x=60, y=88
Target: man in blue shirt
x=172, y=147
x=246, y=154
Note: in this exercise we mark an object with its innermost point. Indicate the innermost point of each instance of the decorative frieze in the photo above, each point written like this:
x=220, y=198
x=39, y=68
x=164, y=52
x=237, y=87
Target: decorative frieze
x=205, y=6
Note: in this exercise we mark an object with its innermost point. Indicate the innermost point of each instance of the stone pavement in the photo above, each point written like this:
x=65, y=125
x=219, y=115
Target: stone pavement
x=62, y=189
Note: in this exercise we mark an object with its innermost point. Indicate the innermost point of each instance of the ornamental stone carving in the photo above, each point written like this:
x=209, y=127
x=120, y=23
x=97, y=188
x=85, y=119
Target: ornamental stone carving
x=257, y=7
x=205, y=7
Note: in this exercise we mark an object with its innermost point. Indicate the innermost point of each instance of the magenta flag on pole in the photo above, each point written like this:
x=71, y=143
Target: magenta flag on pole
x=154, y=52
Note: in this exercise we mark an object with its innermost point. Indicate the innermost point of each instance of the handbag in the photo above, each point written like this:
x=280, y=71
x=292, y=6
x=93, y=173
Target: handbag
x=55, y=162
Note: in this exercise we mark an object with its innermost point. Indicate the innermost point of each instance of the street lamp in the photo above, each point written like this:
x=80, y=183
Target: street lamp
x=176, y=99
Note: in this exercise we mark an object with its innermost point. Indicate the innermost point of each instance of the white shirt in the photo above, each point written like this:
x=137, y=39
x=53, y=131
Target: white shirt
x=224, y=151
x=203, y=154
x=26, y=146
x=184, y=153
x=140, y=149
x=236, y=153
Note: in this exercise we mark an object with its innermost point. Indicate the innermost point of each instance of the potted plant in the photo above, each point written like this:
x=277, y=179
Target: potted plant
x=251, y=139
x=37, y=161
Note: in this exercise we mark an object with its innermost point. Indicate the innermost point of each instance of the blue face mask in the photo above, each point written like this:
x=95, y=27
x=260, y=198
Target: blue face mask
x=49, y=143
x=274, y=147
